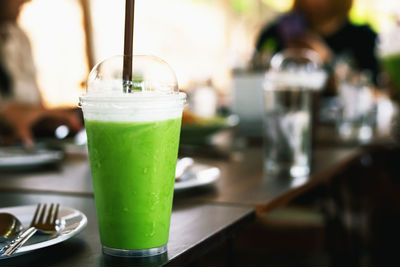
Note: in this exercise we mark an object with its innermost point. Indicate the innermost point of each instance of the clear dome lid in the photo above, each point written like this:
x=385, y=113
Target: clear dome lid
x=151, y=93
x=150, y=74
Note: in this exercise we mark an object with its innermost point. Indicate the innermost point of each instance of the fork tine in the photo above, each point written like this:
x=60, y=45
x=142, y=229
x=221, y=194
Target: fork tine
x=49, y=218
x=35, y=215
x=56, y=214
x=41, y=216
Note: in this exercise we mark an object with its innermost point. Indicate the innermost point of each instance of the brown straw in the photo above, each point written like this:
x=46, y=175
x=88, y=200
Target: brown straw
x=128, y=45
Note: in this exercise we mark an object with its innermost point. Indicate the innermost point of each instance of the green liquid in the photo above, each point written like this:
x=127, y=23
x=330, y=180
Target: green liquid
x=133, y=170
x=392, y=66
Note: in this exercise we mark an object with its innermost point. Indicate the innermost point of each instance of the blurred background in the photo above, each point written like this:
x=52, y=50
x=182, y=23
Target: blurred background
x=201, y=39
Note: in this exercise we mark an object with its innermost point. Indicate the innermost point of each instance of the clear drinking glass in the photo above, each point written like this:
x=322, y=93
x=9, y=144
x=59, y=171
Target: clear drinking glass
x=288, y=88
x=133, y=143
x=357, y=119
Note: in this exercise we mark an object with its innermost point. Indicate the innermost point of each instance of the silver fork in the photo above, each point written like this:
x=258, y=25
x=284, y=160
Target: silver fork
x=39, y=222
x=46, y=225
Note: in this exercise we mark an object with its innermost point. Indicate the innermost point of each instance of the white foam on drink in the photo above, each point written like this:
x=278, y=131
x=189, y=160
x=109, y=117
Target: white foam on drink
x=132, y=107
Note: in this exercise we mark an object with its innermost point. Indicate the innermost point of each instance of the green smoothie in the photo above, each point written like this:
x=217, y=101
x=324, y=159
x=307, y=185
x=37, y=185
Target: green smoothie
x=133, y=169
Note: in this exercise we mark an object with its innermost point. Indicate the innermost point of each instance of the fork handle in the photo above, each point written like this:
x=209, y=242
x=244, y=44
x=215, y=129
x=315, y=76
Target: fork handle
x=12, y=247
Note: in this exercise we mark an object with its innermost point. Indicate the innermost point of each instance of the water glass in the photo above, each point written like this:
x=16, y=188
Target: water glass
x=289, y=86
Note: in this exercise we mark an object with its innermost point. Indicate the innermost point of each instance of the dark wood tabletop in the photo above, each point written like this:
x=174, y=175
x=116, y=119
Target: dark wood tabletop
x=231, y=200
x=191, y=235
x=242, y=180
x=202, y=217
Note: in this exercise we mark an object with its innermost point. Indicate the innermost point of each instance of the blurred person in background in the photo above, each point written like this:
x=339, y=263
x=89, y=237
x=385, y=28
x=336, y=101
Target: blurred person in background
x=21, y=106
x=323, y=26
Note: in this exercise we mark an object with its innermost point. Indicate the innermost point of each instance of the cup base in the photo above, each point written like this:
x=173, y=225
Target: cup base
x=135, y=253
x=286, y=170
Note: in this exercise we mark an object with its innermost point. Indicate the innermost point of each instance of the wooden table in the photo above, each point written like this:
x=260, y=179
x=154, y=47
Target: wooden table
x=202, y=217
x=195, y=229
x=242, y=180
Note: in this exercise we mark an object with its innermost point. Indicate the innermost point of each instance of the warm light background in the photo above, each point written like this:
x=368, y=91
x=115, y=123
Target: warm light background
x=201, y=39
x=58, y=43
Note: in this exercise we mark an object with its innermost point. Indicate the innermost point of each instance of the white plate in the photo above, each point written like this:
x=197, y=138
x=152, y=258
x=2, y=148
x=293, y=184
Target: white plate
x=16, y=157
x=70, y=223
x=198, y=175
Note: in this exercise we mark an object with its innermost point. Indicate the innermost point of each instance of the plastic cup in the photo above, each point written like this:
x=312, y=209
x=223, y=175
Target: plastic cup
x=133, y=141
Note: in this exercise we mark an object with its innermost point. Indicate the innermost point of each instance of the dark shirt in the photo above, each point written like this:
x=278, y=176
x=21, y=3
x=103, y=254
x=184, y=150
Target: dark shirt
x=5, y=82
x=353, y=41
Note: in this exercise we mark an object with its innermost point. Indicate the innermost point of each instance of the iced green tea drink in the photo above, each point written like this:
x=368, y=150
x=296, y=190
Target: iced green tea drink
x=133, y=141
